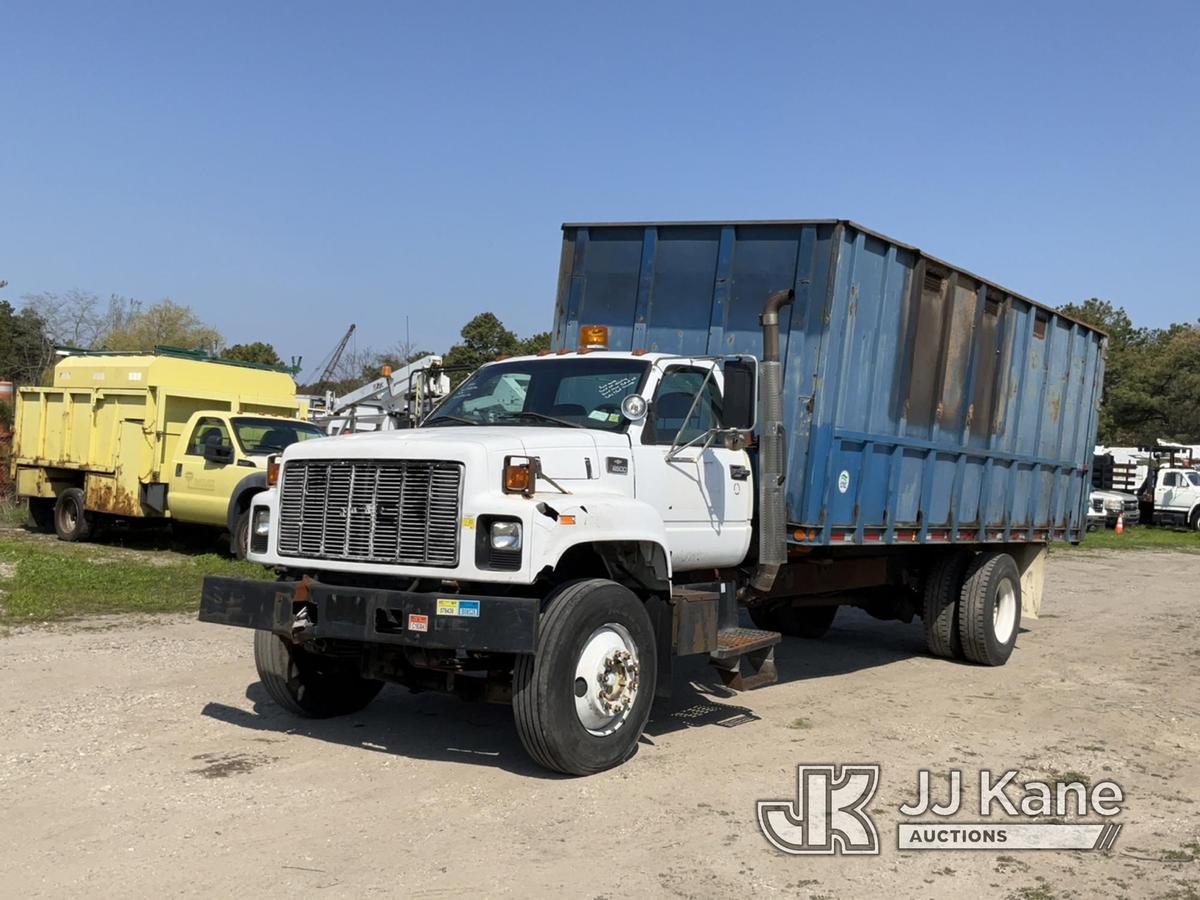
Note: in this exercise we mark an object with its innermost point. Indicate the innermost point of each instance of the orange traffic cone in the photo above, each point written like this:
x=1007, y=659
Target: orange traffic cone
x=1120, y=523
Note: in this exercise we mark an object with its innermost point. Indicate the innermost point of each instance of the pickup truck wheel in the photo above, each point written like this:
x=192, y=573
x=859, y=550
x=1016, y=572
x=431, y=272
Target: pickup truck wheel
x=943, y=585
x=990, y=609
x=241, y=535
x=41, y=514
x=581, y=701
x=71, y=521
x=1196, y=519
x=795, y=621
x=309, y=685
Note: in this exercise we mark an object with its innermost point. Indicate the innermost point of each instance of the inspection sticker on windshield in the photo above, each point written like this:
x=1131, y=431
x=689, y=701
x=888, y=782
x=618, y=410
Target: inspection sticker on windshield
x=466, y=608
x=418, y=622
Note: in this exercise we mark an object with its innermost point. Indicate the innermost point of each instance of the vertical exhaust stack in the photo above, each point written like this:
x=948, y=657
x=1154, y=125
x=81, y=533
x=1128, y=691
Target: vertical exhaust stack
x=772, y=514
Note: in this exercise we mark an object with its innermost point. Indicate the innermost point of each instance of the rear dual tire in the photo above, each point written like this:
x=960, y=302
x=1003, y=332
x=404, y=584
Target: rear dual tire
x=71, y=521
x=41, y=514
x=972, y=607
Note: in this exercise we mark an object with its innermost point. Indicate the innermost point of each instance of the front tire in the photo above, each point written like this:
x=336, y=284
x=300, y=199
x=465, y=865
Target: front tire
x=582, y=699
x=308, y=685
x=1196, y=519
x=990, y=609
x=71, y=521
x=241, y=535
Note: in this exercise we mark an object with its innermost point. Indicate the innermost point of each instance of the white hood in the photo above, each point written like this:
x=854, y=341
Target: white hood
x=566, y=453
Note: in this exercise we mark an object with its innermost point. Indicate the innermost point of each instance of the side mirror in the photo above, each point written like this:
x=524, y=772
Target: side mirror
x=218, y=453
x=634, y=407
x=740, y=409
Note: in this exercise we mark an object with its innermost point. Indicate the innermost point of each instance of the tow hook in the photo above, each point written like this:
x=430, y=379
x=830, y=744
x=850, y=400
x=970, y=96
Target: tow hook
x=301, y=626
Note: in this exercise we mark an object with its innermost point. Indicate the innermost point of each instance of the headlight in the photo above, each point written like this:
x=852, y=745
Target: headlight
x=262, y=522
x=506, y=535
x=1114, y=505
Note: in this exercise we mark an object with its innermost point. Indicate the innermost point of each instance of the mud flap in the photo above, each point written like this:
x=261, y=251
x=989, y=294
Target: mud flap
x=1031, y=562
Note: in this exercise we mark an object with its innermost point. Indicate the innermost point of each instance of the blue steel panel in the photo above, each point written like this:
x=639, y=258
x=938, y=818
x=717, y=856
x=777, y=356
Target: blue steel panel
x=1005, y=446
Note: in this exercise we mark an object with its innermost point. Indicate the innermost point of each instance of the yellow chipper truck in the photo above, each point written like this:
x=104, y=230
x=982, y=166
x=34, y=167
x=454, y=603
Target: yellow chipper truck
x=171, y=435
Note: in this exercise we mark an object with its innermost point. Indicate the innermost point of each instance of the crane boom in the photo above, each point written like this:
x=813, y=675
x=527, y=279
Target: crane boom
x=336, y=357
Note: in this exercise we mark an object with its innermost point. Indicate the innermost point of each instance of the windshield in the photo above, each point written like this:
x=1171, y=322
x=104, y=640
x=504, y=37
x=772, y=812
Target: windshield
x=1194, y=478
x=260, y=436
x=568, y=393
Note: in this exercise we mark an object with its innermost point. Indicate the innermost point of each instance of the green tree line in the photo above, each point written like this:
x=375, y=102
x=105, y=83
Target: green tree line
x=1151, y=377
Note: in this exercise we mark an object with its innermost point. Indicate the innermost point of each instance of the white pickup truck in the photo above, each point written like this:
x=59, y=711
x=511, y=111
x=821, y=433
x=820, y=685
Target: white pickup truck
x=1176, y=496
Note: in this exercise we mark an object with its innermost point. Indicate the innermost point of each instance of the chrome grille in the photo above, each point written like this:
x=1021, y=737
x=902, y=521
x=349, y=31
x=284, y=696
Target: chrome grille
x=398, y=511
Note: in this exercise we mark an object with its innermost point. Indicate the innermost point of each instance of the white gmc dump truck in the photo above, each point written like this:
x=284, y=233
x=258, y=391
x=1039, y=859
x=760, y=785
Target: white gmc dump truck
x=877, y=430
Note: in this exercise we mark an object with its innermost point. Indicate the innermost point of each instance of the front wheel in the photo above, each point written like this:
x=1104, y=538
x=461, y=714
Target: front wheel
x=582, y=699
x=305, y=684
x=241, y=535
x=1196, y=519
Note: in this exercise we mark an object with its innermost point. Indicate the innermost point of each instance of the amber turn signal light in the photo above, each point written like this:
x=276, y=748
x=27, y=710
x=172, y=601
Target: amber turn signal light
x=518, y=479
x=272, y=470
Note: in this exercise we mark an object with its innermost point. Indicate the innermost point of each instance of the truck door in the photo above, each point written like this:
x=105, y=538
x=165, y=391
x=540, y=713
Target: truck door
x=195, y=494
x=1165, y=494
x=704, y=494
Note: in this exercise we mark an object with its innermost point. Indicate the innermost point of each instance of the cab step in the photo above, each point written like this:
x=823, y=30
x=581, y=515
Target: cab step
x=755, y=647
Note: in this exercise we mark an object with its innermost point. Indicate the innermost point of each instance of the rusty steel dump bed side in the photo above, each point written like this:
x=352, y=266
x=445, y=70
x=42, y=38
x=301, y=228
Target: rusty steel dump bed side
x=923, y=404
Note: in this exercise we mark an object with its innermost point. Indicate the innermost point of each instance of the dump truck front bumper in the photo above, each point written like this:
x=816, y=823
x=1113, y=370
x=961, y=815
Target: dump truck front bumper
x=309, y=610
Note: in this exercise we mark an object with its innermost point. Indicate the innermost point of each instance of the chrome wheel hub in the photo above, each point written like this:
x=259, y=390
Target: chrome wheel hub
x=606, y=679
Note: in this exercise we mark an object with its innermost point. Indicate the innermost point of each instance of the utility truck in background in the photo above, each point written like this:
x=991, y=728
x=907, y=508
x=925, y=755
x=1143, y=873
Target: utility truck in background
x=785, y=417
x=170, y=435
x=398, y=398
x=1172, y=493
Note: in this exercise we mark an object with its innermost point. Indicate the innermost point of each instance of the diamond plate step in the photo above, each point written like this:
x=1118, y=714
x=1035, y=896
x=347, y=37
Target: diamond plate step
x=755, y=647
x=733, y=642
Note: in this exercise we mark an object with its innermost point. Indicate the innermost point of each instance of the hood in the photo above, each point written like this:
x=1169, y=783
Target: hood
x=566, y=453
x=1113, y=495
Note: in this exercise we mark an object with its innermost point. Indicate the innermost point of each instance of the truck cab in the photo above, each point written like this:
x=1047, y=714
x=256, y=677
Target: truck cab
x=532, y=461
x=1176, y=496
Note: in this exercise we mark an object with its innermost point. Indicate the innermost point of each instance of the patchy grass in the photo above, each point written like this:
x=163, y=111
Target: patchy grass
x=42, y=579
x=11, y=513
x=800, y=723
x=1139, y=538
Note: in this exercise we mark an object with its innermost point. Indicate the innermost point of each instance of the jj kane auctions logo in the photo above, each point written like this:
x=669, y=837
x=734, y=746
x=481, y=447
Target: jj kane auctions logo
x=829, y=814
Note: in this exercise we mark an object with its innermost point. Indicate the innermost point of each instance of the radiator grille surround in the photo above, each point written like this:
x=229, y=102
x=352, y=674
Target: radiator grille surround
x=394, y=512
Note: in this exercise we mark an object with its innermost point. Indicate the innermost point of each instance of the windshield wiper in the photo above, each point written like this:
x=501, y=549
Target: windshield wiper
x=447, y=418
x=533, y=414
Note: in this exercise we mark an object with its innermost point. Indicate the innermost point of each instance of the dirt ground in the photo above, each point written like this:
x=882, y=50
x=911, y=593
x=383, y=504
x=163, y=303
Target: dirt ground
x=142, y=755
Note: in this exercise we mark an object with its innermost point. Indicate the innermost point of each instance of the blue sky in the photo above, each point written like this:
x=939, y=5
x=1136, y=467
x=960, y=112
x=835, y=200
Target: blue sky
x=287, y=169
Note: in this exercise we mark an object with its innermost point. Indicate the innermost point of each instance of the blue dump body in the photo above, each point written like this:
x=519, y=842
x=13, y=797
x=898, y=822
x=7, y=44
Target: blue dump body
x=922, y=403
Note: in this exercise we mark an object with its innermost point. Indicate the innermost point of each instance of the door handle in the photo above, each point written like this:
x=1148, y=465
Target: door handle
x=739, y=473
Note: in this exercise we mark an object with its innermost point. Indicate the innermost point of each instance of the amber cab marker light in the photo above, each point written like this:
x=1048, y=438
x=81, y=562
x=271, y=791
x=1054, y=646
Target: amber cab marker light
x=516, y=477
x=593, y=337
x=272, y=471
